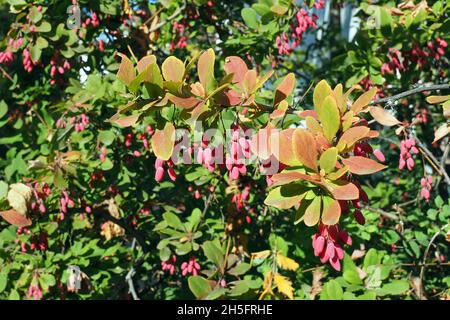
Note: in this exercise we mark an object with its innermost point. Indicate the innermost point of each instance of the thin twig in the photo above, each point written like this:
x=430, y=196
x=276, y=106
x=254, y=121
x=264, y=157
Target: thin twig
x=433, y=158
x=170, y=18
x=130, y=274
x=410, y=93
x=389, y=215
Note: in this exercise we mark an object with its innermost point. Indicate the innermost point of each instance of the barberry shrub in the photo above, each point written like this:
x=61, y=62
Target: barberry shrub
x=193, y=149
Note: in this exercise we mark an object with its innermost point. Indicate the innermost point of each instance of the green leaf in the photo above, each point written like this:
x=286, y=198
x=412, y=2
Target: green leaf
x=3, y=281
x=321, y=91
x=328, y=159
x=371, y=258
x=328, y=115
x=3, y=189
x=240, y=269
x=250, y=18
x=395, y=287
x=332, y=291
x=213, y=253
x=199, y=286
x=35, y=53
x=173, y=221
x=106, y=137
x=350, y=273
x=3, y=108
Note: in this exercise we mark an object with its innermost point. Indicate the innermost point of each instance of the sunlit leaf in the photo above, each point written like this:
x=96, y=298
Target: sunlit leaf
x=361, y=165
x=163, y=142
x=173, y=69
x=126, y=72
x=328, y=115
x=328, y=159
x=383, y=117
x=363, y=100
x=331, y=211
x=305, y=148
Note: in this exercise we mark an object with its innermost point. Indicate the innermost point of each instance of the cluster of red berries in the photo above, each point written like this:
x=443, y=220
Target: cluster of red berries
x=299, y=25
x=34, y=291
x=422, y=116
x=28, y=63
x=7, y=55
x=327, y=245
x=92, y=20
x=239, y=149
x=400, y=61
x=196, y=193
x=407, y=149
x=39, y=242
x=426, y=183
x=205, y=155
x=180, y=40
x=367, y=84
x=40, y=194
x=169, y=265
x=159, y=166
x=190, y=267
x=239, y=198
x=65, y=203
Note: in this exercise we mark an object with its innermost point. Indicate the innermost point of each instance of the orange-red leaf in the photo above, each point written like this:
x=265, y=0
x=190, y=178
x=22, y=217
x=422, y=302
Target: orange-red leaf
x=292, y=176
x=363, y=100
x=285, y=88
x=284, y=152
x=383, y=117
x=126, y=72
x=185, y=103
x=343, y=190
x=305, y=148
x=331, y=211
x=351, y=136
x=236, y=66
x=126, y=121
x=205, y=69
x=361, y=165
x=145, y=62
x=15, y=218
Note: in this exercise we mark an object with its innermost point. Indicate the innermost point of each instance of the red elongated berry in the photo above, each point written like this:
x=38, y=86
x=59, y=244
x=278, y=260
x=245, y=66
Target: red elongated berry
x=318, y=245
x=339, y=252
x=335, y=263
x=379, y=155
x=359, y=217
x=345, y=238
x=330, y=249
x=159, y=174
x=172, y=174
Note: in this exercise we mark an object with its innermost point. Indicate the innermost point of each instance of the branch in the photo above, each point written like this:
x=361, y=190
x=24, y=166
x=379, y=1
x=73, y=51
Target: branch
x=170, y=18
x=425, y=256
x=389, y=215
x=410, y=93
x=129, y=276
x=441, y=169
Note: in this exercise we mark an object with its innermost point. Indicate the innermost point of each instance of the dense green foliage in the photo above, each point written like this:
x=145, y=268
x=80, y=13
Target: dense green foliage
x=86, y=108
